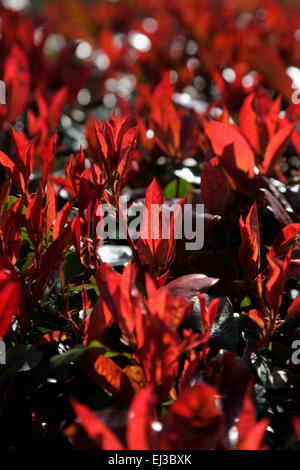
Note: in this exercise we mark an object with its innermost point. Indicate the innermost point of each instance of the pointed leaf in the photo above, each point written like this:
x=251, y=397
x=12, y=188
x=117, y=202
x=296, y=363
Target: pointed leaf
x=248, y=123
x=12, y=295
x=141, y=415
x=17, y=79
x=100, y=434
x=276, y=147
x=278, y=270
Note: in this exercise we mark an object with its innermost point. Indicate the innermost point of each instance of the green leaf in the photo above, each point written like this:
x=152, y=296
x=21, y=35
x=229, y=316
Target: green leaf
x=178, y=188
x=72, y=267
x=78, y=289
x=43, y=330
x=74, y=354
x=28, y=262
x=11, y=201
x=246, y=302
x=107, y=352
x=165, y=407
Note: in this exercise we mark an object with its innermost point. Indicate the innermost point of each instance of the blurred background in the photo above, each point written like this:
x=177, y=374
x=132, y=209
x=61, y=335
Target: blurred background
x=102, y=56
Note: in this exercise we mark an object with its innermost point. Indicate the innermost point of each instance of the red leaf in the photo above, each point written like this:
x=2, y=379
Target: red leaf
x=126, y=155
x=48, y=161
x=102, y=143
x=225, y=135
x=194, y=421
x=257, y=317
x=266, y=60
x=154, y=197
x=108, y=282
x=101, y=435
x=157, y=241
x=64, y=183
x=249, y=249
x=88, y=192
x=128, y=297
x=285, y=240
x=250, y=432
x=50, y=206
x=165, y=119
x=75, y=227
x=255, y=436
x=274, y=288
x=61, y=220
x=12, y=295
x=208, y=314
x=55, y=108
x=296, y=425
x=76, y=168
x=293, y=310
x=140, y=433
x=120, y=295
x=7, y=162
x=247, y=416
x=13, y=171
x=48, y=262
x=215, y=189
x=157, y=348
x=170, y=308
x=17, y=79
x=11, y=229
x=117, y=139
x=98, y=323
x=24, y=150
x=163, y=90
x=35, y=219
x=248, y=123
x=276, y=147
x=105, y=372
